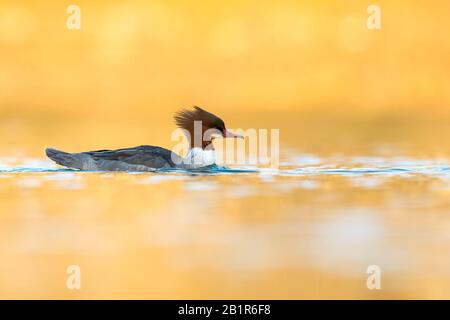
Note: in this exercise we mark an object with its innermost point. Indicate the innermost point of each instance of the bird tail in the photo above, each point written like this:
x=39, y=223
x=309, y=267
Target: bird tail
x=70, y=160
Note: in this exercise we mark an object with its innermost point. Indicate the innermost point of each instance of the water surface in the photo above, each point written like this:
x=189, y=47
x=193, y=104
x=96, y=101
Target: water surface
x=307, y=230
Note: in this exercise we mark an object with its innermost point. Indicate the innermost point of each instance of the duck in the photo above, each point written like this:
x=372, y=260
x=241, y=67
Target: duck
x=198, y=125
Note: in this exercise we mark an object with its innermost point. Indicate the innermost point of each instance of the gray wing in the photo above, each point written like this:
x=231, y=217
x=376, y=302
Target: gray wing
x=149, y=156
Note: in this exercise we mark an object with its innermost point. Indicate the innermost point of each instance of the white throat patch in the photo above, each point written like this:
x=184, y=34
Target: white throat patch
x=197, y=158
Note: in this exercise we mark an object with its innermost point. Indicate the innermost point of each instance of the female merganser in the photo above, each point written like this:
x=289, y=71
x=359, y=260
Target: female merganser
x=200, y=128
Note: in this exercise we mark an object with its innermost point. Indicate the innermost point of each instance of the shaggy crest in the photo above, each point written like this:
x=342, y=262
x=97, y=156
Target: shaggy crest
x=184, y=119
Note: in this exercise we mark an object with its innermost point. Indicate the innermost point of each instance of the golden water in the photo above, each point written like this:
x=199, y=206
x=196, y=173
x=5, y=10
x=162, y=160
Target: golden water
x=309, y=230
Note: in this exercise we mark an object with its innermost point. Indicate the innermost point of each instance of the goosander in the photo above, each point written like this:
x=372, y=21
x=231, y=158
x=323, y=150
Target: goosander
x=200, y=128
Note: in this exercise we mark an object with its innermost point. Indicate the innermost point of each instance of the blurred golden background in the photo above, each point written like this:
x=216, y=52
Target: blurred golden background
x=309, y=68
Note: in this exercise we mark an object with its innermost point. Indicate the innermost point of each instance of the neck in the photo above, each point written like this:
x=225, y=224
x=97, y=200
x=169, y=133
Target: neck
x=205, y=145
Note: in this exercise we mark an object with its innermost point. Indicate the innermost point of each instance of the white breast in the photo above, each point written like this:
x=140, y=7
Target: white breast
x=197, y=158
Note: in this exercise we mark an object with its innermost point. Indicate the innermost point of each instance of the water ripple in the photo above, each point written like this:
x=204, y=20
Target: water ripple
x=349, y=167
